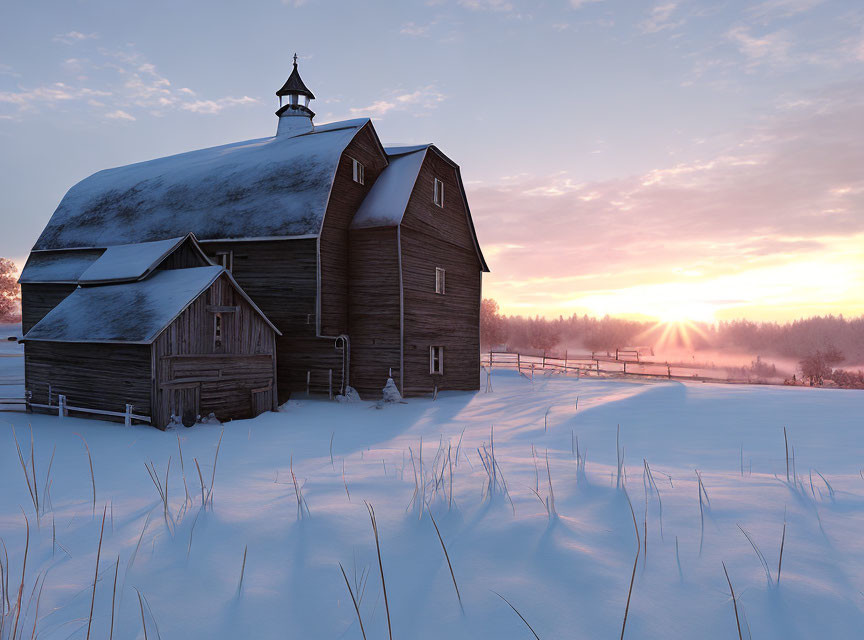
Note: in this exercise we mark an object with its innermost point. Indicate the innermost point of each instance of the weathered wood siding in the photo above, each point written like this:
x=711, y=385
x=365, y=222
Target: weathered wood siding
x=373, y=309
x=96, y=376
x=186, y=256
x=281, y=277
x=186, y=354
x=432, y=237
x=345, y=198
x=38, y=299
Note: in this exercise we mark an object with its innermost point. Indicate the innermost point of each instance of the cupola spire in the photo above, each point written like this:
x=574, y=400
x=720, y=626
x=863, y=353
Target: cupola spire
x=295, y=116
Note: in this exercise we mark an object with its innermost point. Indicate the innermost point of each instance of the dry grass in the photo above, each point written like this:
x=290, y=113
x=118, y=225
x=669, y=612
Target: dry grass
x=380, y=567
x=447, y=557
x=530, y=628
x=96, y=573
x=354, y=600
x=734, y=602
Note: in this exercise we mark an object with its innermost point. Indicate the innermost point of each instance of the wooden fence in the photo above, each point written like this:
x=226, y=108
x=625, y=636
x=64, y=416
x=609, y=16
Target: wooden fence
x=622, y=363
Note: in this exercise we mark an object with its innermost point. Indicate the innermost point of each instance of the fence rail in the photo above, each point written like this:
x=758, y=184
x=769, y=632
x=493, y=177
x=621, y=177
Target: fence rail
x=590, y=364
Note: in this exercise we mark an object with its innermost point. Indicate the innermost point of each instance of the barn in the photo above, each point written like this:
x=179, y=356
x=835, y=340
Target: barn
x=145, y=329
x=363, y=256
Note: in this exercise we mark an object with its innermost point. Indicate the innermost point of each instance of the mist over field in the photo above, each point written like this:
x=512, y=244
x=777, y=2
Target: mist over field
x=811, y=348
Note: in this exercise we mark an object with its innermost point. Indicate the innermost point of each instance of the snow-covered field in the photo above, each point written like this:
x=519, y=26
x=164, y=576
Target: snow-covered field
x=567, y=570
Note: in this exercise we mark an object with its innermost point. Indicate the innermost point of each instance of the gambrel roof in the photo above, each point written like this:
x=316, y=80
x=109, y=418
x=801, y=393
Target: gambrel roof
x=131, y=312
x=265, y=188
x=387, y=200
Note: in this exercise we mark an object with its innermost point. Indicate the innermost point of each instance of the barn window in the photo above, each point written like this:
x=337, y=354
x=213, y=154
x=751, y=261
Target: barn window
x=438, y=196
x=439, y=280
x=359, y=171
x=217, y=330
x=436, y=360
x=225, y=259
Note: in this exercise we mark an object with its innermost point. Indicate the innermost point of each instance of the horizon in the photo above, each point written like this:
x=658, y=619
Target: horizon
x=707, y=170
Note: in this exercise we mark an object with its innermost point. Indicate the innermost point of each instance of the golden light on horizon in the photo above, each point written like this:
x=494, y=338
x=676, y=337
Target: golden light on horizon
x=830, y=281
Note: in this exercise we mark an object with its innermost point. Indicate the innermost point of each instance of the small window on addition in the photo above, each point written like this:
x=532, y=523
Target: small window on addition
x=438, y=196
x=217, y=330
x=436, y=360
x=359, y=171
x=439, y=280
x=225, y=259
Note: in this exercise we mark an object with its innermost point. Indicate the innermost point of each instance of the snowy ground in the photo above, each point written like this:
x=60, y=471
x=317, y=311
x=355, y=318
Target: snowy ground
x=567, y=574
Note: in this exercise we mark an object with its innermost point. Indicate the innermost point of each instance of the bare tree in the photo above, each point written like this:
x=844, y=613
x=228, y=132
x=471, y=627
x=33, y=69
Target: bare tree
x=10, y=292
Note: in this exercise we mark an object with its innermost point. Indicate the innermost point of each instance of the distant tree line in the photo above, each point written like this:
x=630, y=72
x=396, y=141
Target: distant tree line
x=10, y=292
x=819, y=344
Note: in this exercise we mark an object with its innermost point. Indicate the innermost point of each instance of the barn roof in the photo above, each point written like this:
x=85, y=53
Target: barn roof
x=132, y=312
x=270, y=187
x=387, y=200
x=53, y=267
x=117, y=263
x=124, y=262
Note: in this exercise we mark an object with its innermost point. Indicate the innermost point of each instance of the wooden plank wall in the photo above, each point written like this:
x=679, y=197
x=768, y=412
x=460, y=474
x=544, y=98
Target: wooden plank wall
x=345, y=198
x=373, y=309
x=281, y=277
x=96, y=376
x=186, y=352
x=186, y=256
x=431, y=237
x=37, y=299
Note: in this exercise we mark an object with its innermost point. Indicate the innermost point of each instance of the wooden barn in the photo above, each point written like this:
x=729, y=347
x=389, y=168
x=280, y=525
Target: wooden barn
x=364, y=257
x=150, y=330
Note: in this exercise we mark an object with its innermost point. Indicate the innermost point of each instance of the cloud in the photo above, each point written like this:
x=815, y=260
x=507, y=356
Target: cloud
x=772, y=48
x=127, y=83
x=424, y=98
x=786, y=192
x=416, y=30
x=48, y=95
x=578, y=4
x=74, y=37
x=119, y=114
x=215, y=106
x=771, y=9
x=660, y=18
x=487, y=5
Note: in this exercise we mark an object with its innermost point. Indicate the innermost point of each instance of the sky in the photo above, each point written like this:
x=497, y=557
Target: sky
x=673, y=159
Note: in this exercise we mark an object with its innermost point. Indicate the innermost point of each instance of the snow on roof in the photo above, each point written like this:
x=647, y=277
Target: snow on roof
x=134, y=312
x=64, y=267
x=386, y=201
x=268, y=187
x=128, y=261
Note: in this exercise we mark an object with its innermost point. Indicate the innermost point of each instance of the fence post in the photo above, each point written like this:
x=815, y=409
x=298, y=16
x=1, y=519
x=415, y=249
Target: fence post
x=668, y=371
x=532, y=373
x=61, y=406
x=565, y=361
x=616, y=353
x=330, y=382
x=544, y=358
x=518, y=362
x=625, y=366
x=127, y=420
x=308, y=380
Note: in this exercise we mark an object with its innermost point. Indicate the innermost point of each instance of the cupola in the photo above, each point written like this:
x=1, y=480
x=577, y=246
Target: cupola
x=295, y=116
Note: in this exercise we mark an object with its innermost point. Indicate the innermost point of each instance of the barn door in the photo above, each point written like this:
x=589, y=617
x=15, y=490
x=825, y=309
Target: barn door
x=262, y=400
x=185, y=402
